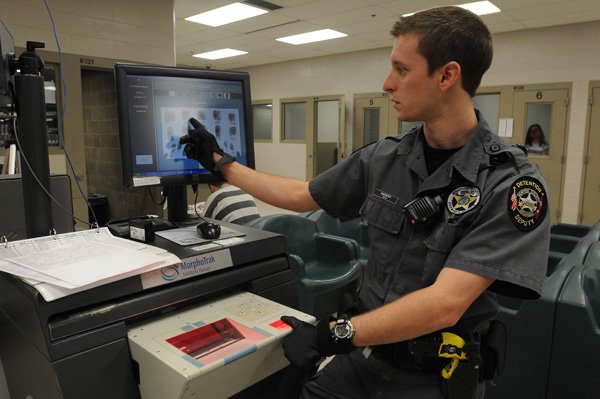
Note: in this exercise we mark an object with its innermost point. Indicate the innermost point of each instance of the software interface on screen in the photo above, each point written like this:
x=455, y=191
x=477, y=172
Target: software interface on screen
x=159, y=110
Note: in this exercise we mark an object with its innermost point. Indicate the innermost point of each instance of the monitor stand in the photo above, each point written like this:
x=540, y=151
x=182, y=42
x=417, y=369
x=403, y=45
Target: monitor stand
x=176, y=203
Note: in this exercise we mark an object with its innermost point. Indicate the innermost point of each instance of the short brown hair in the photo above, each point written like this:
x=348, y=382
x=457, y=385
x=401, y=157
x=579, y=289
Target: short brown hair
x=451, y=34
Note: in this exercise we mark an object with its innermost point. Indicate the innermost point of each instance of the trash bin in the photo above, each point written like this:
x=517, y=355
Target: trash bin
x=99, y=203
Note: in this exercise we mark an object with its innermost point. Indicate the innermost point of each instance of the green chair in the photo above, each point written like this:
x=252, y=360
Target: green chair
x=530, y=325
x=576, y=230
x=354, y=229
x=544, y=330
x=325, y=266
x=574, y=370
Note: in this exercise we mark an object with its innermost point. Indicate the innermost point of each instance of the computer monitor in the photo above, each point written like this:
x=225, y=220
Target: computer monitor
x=155, y=104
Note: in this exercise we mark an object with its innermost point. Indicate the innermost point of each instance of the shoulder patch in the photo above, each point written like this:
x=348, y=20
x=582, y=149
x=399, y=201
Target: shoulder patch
x=527, y=203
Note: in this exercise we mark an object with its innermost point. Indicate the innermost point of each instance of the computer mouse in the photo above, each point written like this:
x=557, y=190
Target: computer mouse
x=208, y=230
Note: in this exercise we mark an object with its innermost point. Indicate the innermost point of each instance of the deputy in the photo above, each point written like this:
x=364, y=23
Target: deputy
x=454, y=214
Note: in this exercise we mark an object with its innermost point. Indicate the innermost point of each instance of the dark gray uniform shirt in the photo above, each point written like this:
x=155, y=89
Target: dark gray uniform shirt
x=492, y=220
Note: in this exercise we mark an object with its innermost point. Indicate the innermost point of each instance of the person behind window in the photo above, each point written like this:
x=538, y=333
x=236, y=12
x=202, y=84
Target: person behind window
x=230, y=204
x=535, y=140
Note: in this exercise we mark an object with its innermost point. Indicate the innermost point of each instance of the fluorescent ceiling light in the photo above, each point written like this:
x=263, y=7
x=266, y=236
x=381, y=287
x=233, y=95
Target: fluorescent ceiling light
x=478, y=7
x=218, y=54
x=309, y=37
x=226, y=14
x=481, y=7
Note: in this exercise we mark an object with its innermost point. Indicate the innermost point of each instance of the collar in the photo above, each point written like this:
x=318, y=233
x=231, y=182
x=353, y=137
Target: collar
x=467, y=161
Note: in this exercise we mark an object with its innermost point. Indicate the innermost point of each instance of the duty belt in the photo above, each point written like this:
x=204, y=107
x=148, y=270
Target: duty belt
x=440, y=352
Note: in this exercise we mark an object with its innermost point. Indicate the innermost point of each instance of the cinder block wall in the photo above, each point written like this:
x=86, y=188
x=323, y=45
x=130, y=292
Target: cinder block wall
x=102, y=149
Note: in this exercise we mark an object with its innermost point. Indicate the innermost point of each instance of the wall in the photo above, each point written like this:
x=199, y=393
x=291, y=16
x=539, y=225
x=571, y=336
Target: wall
x=102, y=150
x=137, y=30
x=547, y=55
x=91, y=36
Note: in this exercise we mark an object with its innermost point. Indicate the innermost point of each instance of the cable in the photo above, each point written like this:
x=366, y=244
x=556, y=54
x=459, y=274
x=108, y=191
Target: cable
x=62, y=117
x=195, y=188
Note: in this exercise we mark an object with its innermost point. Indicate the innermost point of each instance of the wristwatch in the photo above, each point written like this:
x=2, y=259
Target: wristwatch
x=343, y=331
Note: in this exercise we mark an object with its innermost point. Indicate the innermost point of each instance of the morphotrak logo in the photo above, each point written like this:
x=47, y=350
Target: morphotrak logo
x=198, y=262
x=169, y=273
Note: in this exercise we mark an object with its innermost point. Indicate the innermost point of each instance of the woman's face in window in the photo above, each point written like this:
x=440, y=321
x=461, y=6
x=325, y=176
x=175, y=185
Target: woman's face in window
x=535, y=133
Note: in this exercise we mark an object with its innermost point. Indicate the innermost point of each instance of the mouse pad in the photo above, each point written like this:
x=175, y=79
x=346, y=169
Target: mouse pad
x=189, y=236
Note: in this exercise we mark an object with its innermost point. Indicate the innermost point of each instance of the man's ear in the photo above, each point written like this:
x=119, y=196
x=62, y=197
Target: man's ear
x=450, y=75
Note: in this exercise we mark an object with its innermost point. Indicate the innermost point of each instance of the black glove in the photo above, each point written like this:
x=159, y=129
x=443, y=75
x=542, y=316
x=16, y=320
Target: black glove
x=200, y=145
x=307, y=343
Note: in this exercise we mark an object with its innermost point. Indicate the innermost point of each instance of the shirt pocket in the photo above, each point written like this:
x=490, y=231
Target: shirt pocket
x=382, y=215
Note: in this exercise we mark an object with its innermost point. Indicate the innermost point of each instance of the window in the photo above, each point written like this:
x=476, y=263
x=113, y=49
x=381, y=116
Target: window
x=294, y=121
x=262, y=120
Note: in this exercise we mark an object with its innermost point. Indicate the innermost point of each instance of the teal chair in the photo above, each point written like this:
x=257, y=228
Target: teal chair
x=354, y=229
x=574, y=370
x=325, y=266
x=530, y=328
x=546, y=337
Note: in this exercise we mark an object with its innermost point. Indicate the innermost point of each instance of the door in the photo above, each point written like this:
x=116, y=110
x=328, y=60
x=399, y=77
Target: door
x=590, y=210
x=328, y=133
x=374, y=118
x=540, y=123
x=324, y=141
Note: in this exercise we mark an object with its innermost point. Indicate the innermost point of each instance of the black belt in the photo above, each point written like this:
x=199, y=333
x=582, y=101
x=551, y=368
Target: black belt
x=399, y=356
x=419, y=354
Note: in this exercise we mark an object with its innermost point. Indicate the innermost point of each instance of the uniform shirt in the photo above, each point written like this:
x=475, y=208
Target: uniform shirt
x=231, y=204
x=492, y=220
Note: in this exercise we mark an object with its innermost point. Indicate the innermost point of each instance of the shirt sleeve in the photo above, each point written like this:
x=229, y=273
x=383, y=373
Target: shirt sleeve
x=509, y=238
x=341, y=189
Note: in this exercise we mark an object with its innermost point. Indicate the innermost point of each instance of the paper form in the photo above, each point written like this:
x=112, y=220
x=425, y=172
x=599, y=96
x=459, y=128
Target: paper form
x=78, y=259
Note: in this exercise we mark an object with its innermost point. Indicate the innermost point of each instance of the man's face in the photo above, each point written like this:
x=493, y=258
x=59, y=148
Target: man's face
x=412, y=91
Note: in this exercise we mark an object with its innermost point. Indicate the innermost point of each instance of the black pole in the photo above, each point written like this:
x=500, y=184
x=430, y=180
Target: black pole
x=33, y=138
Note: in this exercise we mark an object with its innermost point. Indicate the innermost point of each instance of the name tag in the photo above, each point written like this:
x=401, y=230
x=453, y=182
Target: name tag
x=386, y=196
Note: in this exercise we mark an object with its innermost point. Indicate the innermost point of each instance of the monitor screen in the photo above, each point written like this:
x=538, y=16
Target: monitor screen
x=155, y=104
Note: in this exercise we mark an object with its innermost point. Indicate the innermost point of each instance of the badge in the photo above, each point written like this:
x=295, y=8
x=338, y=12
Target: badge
x=527, y=203
x=463, y=199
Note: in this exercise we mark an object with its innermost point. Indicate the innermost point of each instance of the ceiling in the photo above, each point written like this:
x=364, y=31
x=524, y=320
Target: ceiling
x=366, y=22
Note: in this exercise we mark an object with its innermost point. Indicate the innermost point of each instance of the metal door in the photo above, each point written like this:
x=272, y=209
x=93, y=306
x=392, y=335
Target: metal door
x=540, y=123
x=590, y=209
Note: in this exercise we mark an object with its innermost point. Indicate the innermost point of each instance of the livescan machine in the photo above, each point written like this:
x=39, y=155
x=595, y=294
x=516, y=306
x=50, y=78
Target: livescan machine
x=206, y=336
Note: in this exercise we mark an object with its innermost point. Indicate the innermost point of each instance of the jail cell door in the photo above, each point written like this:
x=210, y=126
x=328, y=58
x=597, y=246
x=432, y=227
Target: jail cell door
x=374, y=118
x=540, y=123
x=590, y=209
x=325, y=144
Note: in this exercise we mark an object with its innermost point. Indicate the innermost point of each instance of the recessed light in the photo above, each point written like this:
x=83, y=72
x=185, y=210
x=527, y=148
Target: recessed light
x=218, y=54
x=478, y=7
x=226, y=14
x=309, y=37
x=481, y=7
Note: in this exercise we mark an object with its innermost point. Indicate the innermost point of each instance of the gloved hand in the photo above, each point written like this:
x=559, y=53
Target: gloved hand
x=307, y=343
x=200, y=145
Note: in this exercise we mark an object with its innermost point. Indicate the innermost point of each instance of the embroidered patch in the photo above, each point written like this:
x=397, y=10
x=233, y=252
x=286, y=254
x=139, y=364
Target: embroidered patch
x=463, y=199
x=527, y=203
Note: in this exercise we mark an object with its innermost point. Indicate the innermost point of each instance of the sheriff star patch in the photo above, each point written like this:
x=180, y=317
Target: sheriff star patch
x=527, y=203
x=463, y=199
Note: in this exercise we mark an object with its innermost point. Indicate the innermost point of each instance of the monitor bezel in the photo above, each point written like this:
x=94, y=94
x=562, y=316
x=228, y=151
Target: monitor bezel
x=122, y=70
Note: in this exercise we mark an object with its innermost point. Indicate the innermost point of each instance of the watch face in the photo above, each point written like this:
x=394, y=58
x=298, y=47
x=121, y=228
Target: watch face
x=341, y=331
